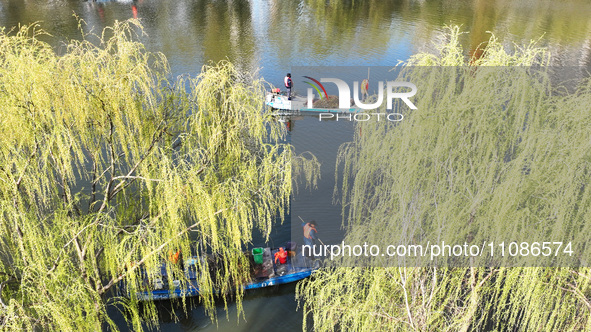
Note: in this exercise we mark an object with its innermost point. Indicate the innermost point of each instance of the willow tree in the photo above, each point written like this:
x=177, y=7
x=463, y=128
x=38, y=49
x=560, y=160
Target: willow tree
x=106, y=165
x=483, y=157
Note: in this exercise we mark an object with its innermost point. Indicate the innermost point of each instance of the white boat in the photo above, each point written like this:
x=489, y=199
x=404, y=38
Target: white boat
x=297, y=104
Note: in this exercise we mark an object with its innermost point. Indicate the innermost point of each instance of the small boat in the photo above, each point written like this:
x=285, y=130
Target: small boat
x=264, y=274
x=298, y=104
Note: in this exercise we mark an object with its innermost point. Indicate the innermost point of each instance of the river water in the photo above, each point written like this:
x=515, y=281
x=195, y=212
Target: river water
x=272, y=36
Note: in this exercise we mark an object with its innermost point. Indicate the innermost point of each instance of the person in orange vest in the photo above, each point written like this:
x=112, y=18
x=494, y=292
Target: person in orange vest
x=281, y=255
x=176, y=258
x=364, y=89
x=310, y=233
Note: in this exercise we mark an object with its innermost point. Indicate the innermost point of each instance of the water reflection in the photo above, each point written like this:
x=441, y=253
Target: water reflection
x=277, y=34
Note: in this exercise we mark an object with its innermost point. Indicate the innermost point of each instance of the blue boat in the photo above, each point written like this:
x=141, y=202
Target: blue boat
x=266, y=274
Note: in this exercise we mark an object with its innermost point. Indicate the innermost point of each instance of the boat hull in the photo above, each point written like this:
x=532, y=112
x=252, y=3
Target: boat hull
x=299, y=105
x=193, y=290
x=295, y=269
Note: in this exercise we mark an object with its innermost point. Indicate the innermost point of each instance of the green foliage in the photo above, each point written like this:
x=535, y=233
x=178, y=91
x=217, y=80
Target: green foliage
x=484, y=156
x=106, y=166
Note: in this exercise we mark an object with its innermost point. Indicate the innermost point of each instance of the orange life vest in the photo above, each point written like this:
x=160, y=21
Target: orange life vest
x=364, y=86
x=307, y=229
x=281, y=255
x=174, y=257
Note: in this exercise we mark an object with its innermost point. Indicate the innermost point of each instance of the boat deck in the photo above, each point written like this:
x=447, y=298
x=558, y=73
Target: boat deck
x=299, y=105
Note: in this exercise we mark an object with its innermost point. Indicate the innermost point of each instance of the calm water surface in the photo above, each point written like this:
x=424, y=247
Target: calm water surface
x=272, y=36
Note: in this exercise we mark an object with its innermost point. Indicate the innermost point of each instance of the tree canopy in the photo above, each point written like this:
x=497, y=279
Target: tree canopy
x=483, y=157
x=106, y=165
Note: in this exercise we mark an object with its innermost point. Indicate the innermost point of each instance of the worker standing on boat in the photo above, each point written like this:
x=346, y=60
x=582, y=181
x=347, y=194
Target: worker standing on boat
x=364, y=89
x=310, y=233
x=288, y=84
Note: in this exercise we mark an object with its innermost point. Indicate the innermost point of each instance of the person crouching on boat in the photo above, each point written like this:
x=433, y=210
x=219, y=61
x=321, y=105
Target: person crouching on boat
x=176, y=258
x=281, y=256
x=310, y=233
x=288, y=84
x=281, y=267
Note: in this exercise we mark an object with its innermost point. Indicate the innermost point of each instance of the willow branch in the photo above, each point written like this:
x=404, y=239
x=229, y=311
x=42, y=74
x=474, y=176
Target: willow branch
x=113, y=281
x=122, y=185
x=18, y=182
